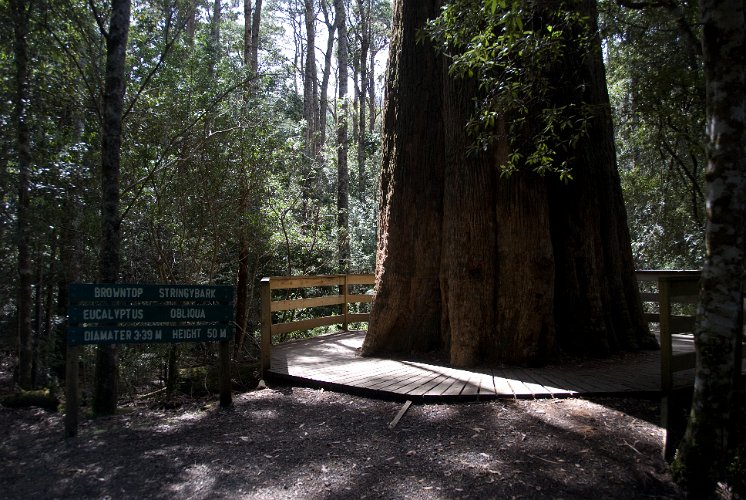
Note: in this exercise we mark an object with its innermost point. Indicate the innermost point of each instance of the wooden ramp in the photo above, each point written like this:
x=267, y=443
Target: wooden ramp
x=332, y=361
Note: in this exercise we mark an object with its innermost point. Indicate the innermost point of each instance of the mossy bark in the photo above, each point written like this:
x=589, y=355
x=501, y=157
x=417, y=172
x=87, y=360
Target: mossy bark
x=702, y=456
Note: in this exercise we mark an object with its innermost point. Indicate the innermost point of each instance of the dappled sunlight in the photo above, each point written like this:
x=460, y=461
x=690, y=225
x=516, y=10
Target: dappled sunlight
x=293, y=442
x=333, y=361
x=196, y=480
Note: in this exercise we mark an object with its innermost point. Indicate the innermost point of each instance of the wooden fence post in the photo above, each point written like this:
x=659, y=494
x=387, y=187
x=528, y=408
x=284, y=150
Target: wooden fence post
x=266, y=318
x=345, y=309
x=72, y=391
x=668, y=407
x=226, y=398
x=664, y=289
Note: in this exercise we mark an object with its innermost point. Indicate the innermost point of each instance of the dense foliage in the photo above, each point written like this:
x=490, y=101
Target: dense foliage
x=515, y=51
x=213, y=154
x=656, y=85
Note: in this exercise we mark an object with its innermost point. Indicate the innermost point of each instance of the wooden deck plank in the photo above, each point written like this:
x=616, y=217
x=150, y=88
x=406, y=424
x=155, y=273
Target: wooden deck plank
x=333, y=359
x=560, y=385
x=471, y=388
x=423, y=379
x=487, y=385
x=547, y=384
x=443, y=386
x=520, y=389
x=426, y=387
x=502, y=387
x=386, y=378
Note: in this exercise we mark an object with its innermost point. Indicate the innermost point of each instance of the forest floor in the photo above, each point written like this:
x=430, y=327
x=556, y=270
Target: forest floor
x=291, y=442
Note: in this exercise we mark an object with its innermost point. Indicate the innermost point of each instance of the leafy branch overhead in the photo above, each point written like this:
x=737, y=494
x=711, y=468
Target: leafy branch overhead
x=518, y=53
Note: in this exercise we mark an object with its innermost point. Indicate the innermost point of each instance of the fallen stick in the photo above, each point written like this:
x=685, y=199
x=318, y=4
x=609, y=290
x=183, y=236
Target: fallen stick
x=400, y=414
x=151, y=394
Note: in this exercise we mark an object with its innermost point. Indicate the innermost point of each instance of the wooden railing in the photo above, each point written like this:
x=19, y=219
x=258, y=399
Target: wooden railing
x=673, y=288
x=341, y=296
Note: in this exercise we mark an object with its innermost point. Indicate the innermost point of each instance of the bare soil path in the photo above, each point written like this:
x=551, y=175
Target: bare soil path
x=287, y=442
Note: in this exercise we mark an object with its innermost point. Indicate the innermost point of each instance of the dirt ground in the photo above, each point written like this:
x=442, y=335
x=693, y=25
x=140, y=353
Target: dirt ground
x=290, y=442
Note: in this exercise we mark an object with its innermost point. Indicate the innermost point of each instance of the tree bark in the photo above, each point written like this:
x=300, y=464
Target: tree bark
x=256, y=20
x=343, y=174
x=310, y=86
x=247, y=33
x=408, y=296
x=214, y=41
x=364, y=7
x=252, y=23
x=331, y=28
x=704, y=450
x=483, y=268
x=23, y=144
x=105, y=395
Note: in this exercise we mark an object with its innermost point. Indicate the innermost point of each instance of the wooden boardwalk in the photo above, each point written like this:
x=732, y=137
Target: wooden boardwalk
x=332, y=361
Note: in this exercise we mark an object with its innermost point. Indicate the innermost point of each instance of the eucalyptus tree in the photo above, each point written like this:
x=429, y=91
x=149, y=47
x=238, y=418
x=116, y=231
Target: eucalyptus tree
x=707, y=445
x=502, y=232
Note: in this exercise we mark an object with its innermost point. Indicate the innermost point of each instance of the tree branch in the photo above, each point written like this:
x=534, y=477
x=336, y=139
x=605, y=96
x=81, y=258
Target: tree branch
x=161, y=59
x=629, y=4
x=691, y=42
x=138, y=186
x=99, y=20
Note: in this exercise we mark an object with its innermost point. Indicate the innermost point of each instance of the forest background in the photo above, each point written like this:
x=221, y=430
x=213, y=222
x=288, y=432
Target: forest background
x=235, y=166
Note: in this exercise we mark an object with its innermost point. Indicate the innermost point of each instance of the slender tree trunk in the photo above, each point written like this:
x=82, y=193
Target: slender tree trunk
x=23, y=143
x=331, y=27
x=251, y=59
x=487, y=269
x=50, y=284
x=310, y=101
x=247, y=33
x=256, y=20
x=343, y=175
x=704, y=450
x=243, y=237
x=214, y=44
x=310, y=110
x=372, y=90
x=242, y=298
x=364, y=7
x=38, y=311
x=105, y=395
x=187, y=17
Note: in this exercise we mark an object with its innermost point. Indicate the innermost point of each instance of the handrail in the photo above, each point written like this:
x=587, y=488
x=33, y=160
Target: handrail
x=343, y=298
x=674, y=287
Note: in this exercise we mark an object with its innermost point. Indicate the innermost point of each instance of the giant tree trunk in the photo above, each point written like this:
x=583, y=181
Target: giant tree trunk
x=406, y=314
x=705, y=447
x=487, y=269
x=105, y=395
